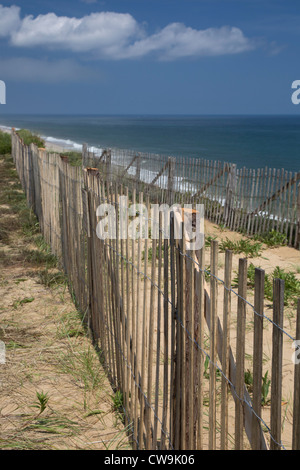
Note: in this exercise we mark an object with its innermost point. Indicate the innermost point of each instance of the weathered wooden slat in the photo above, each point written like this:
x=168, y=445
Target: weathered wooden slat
x=277, y=193
x=211, y=182
x=296, y=405
x=277, y=360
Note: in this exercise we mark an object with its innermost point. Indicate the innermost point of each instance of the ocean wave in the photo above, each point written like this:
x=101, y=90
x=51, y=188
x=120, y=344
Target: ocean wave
x=7, y=128
x=66, y=143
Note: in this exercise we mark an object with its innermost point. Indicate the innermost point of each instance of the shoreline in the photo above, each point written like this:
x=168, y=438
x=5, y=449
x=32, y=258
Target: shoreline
x=51, y=142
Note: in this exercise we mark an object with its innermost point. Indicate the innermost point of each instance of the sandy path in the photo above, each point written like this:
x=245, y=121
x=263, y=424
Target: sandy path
x=47, y=353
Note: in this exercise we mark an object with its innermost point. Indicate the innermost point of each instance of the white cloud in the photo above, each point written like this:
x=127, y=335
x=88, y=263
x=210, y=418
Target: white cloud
x=176, y=41
x=119, y=36
x=44, y=71
x=104, y=32
x=9, y=19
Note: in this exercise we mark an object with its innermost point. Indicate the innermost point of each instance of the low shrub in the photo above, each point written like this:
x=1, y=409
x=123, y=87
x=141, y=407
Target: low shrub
x=291, y=283
x=247, y=247
x=5, y=143
x=272, y=239
x=30, y=138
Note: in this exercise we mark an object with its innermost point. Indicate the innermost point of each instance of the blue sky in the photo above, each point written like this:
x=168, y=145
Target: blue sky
x=150, y=56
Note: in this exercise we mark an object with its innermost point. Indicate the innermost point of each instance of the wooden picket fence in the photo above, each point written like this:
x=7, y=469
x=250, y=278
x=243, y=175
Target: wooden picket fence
x=251, y=201
x=198, y=364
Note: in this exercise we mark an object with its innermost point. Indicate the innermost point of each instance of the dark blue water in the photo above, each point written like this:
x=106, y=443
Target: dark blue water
x=251, y=141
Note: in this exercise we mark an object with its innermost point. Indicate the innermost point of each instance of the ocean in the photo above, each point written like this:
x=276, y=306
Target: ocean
x=251, y=141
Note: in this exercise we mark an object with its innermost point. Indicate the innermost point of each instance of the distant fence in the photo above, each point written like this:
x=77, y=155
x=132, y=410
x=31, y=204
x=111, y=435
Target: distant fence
x=199, y=364
x=252, y=201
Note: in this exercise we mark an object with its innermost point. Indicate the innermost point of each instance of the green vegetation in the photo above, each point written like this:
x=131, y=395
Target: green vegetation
x=27, y=137
x=266, y=382
x=272, y=239
x=20, y=302
x=249, y=380
x=207, y=273
x=14, y=213
x=207, y=369
x=150, y=252
x=52, y=279
x=5, y=143
x=265, y=387
x=84, y=367
x=42, y=401
x=40, y=257
x=247, y=247
x=292, y=284
x=70, y=326
x=14, y=345
x=54, y=425
x=21, y=220
x=30, y=138
x=117, y=400
x=74, y=158
x=208, y=240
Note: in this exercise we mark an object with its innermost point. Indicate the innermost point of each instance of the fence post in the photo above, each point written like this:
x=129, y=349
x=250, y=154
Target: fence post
x=225, y=349
x=31, y=187
x=213, y=343
x=296, y=409
x=148, y=424
x=257, y=354
x=144, y=338
x=171, y=171
x=182, y=334
x=276, y=384
x=199, y=324
x=190, y=326
x=230, y=193
x=166, y=323
x=138, y=169
x=240, y=354
x=84, y=155
x=108, y=165
x=173, y=333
